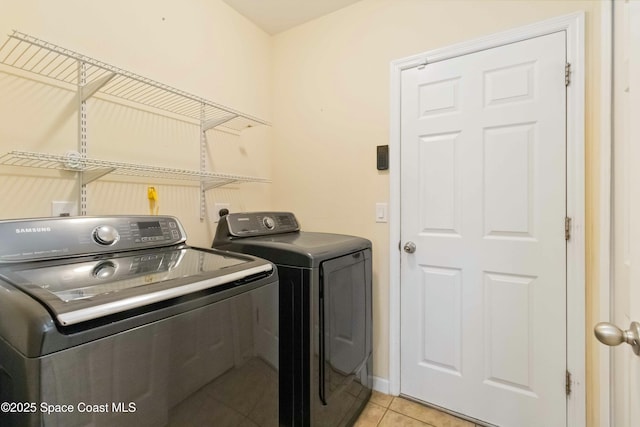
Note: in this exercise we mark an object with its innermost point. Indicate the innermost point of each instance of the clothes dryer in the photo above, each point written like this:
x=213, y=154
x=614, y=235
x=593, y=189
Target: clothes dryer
x=325, y=314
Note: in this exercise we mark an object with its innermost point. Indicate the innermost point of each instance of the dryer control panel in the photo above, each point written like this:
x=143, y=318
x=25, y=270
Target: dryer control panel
x=51, y=238
x=248, y=224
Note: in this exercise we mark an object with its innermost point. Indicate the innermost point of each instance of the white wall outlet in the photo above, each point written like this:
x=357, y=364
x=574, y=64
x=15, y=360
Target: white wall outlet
x=216, y=210
x=64, y=208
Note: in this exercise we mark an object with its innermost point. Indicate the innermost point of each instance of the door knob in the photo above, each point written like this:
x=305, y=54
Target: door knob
x=611, y=335
x=409, y=247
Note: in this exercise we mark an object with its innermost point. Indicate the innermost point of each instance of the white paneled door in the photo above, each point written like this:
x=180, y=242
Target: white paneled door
x=483, y=205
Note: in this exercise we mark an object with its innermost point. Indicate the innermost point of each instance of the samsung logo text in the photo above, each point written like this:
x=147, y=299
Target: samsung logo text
x=33, y=230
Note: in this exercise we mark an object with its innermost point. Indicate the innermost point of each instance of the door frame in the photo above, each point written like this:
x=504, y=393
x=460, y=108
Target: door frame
x=574, y=25
x=606, y=210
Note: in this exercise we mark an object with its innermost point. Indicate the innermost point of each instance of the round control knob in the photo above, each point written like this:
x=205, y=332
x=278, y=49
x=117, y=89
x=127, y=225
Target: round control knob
x=269, y=223
x=105, y=235
x=104, y=270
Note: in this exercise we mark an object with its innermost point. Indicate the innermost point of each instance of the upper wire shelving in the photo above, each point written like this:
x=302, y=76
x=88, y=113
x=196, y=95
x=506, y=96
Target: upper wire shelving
x=61, y=67
x=28, y=53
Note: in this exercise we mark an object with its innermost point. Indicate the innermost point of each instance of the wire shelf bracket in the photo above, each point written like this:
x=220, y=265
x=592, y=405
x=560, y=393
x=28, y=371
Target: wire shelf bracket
x=90, y=89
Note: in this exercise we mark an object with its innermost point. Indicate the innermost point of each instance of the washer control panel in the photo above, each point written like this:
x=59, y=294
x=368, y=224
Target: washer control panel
x=260, y=223
x=105, y=235
x=50, y=238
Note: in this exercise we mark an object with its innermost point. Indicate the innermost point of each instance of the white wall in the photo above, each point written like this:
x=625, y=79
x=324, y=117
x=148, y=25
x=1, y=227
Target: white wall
x=199, y=46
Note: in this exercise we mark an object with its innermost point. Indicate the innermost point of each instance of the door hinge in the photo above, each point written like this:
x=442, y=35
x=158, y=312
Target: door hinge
x=567, y=74
x=567, y=228
x=568, y=383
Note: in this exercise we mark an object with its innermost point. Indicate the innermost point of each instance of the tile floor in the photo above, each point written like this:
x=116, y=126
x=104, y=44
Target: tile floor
x=387, y=411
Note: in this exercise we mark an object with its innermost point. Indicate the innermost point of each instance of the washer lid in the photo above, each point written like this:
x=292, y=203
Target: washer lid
x=87, y=288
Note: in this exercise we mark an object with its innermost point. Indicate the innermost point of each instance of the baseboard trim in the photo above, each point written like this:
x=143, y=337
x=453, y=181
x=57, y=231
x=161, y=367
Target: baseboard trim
x=381, y=385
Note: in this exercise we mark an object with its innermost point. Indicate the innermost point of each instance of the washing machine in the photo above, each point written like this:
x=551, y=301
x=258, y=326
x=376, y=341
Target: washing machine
x=325, y=316
x=116, y=321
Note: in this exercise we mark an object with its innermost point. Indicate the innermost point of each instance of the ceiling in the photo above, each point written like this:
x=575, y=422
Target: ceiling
x=275, y=16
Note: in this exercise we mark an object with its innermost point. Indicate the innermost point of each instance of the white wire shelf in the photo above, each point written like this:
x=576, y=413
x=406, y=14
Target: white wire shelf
x=24, y=52
x=93, y=169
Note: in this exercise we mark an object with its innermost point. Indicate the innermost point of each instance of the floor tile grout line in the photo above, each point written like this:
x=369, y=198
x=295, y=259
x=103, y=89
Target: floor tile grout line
x=388, y=408
x=409, y=416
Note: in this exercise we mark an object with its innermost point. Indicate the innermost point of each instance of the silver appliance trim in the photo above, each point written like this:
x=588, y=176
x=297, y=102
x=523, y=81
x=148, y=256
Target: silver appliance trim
x=78, y=316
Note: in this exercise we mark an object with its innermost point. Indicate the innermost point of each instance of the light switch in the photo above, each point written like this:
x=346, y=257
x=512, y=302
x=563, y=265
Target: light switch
x=381, y=212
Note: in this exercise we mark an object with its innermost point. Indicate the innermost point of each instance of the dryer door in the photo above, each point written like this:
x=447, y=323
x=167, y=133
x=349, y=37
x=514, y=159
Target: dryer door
x=344, y=325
